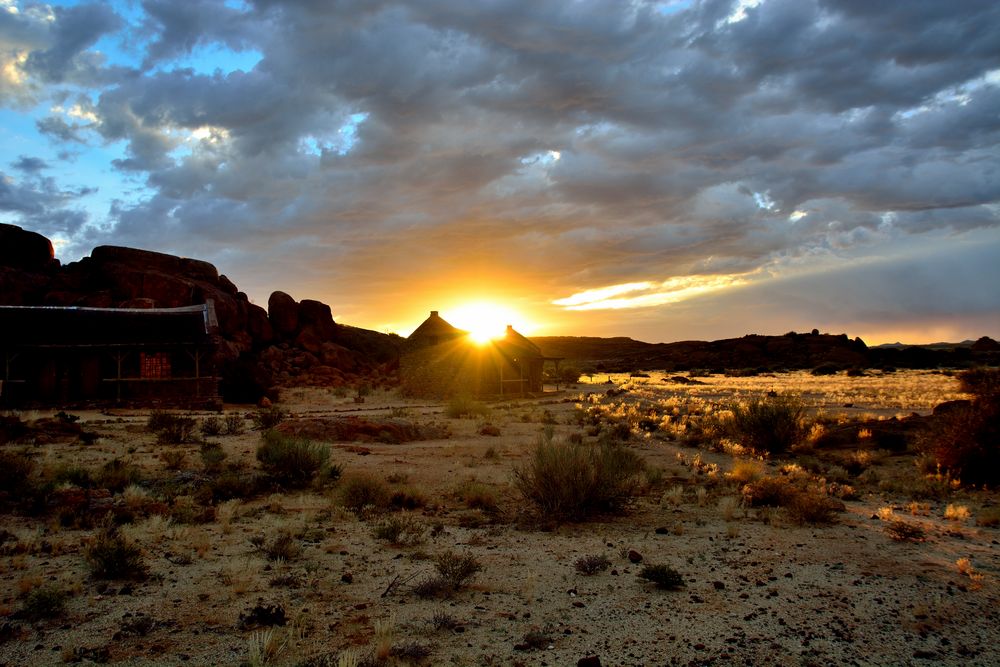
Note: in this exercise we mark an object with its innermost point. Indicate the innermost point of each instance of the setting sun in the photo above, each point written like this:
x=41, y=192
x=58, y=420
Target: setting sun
x=483, y=320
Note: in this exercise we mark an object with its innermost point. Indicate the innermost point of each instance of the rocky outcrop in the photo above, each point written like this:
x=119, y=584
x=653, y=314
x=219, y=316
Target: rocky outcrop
x=289, y=343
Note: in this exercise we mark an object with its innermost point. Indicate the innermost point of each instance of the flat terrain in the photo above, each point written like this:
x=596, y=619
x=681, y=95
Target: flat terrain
x=758, y=586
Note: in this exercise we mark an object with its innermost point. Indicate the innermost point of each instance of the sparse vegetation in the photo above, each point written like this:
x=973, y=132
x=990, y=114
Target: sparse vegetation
x=267, y=418
x=359, y=492
x=454, y=571
x=965, y=441
x=290, y=461
x=665, y=577
x=112, y=556
x=464, y=405
x=592, y=564
x=44, y=602
x=400, y=530
x=772, y=424
x=574, y=482
x=170, y=428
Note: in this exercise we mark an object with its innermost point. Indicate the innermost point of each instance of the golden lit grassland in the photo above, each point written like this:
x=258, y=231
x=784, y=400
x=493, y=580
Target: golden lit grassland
x=881, y=394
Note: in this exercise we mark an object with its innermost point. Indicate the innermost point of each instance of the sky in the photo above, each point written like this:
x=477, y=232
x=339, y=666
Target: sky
x=664, y=170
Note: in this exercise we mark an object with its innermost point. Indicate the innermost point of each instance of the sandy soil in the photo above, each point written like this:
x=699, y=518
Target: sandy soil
x=759, y=589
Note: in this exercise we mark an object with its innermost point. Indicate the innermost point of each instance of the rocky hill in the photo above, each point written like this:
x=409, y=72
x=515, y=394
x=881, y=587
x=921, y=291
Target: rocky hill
x=290, y=343
x=755, y=352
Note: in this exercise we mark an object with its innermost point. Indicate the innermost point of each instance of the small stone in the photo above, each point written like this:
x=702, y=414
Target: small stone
x=589, y=661
x=634, y=556
x=718, y=585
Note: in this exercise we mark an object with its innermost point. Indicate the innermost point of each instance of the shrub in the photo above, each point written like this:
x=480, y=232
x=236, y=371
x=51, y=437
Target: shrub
x=212, y=456
x=44, y=602
x=454, y=571
x=399, y=530
x=15, y=471
x=112, y=556
x=665, y=577
x=477, y=495
x=290, y=461
x=903, y=531
x=812, y=507
x=116, y=474
x=826, y=369
x=465, y=406
x=234, y=484
x=592, y=564
x=171, y=429
x=235, y=424
x=173, y=458
x=266, y=419
x=284, y=546
x=361, y=491
x=965, y=442
x=771, y=424
x=573, y=482
x=211, y=426
x=768, y=492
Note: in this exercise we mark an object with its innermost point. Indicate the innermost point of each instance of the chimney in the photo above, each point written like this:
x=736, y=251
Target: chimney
x=434, y=313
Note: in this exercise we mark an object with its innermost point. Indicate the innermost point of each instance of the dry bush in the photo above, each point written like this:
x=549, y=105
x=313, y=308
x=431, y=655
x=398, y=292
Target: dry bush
x=112, y=556
x=904, y=531
x=289, y=461
x=464, y=405
x=359, y=492
x=665, y=577
x=171, y=429
x=173, y=459
x=454, y=571
x=965, y=442
x=211, y=426
x=44, y=602
x=117, y=474
x=575, y=482
x=400, y=530
x=266, y=419
x=592, y=564
x=771, y=424
x=15, y=472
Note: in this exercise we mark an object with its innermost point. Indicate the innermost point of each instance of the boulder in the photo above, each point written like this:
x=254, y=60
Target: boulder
x=29, y=251
x=317, y=316
x=283, y=312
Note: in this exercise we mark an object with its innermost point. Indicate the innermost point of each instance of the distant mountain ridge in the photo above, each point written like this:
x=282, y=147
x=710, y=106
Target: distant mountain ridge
x=758, y=352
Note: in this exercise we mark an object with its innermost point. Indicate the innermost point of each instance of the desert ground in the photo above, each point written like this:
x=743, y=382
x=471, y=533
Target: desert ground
x=904, y=573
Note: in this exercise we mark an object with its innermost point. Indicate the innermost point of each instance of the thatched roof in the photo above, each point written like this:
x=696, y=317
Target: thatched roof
x=512, y=338
x=435, y=328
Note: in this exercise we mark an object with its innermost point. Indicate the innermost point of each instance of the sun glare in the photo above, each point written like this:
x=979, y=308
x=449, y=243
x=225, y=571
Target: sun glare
x=483, y=320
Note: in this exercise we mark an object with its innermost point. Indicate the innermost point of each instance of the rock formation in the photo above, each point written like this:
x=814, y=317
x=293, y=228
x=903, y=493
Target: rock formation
x=289, y=343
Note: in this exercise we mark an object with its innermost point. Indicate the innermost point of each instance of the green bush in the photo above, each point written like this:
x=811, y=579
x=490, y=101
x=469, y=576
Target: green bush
x=212, y=456
x=290, y=461
x=573, y=482
x=771, y=425
x=111, y=556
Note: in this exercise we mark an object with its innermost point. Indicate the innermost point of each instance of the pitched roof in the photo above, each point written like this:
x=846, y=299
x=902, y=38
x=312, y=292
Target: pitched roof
x=73, y=326
x=435, y=327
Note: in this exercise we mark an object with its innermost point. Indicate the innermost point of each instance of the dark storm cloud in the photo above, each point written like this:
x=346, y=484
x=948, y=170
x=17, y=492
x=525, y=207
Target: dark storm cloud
x=610, y=142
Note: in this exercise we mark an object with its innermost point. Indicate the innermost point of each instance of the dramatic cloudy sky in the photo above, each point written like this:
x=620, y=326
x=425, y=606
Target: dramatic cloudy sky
x=664, y=170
